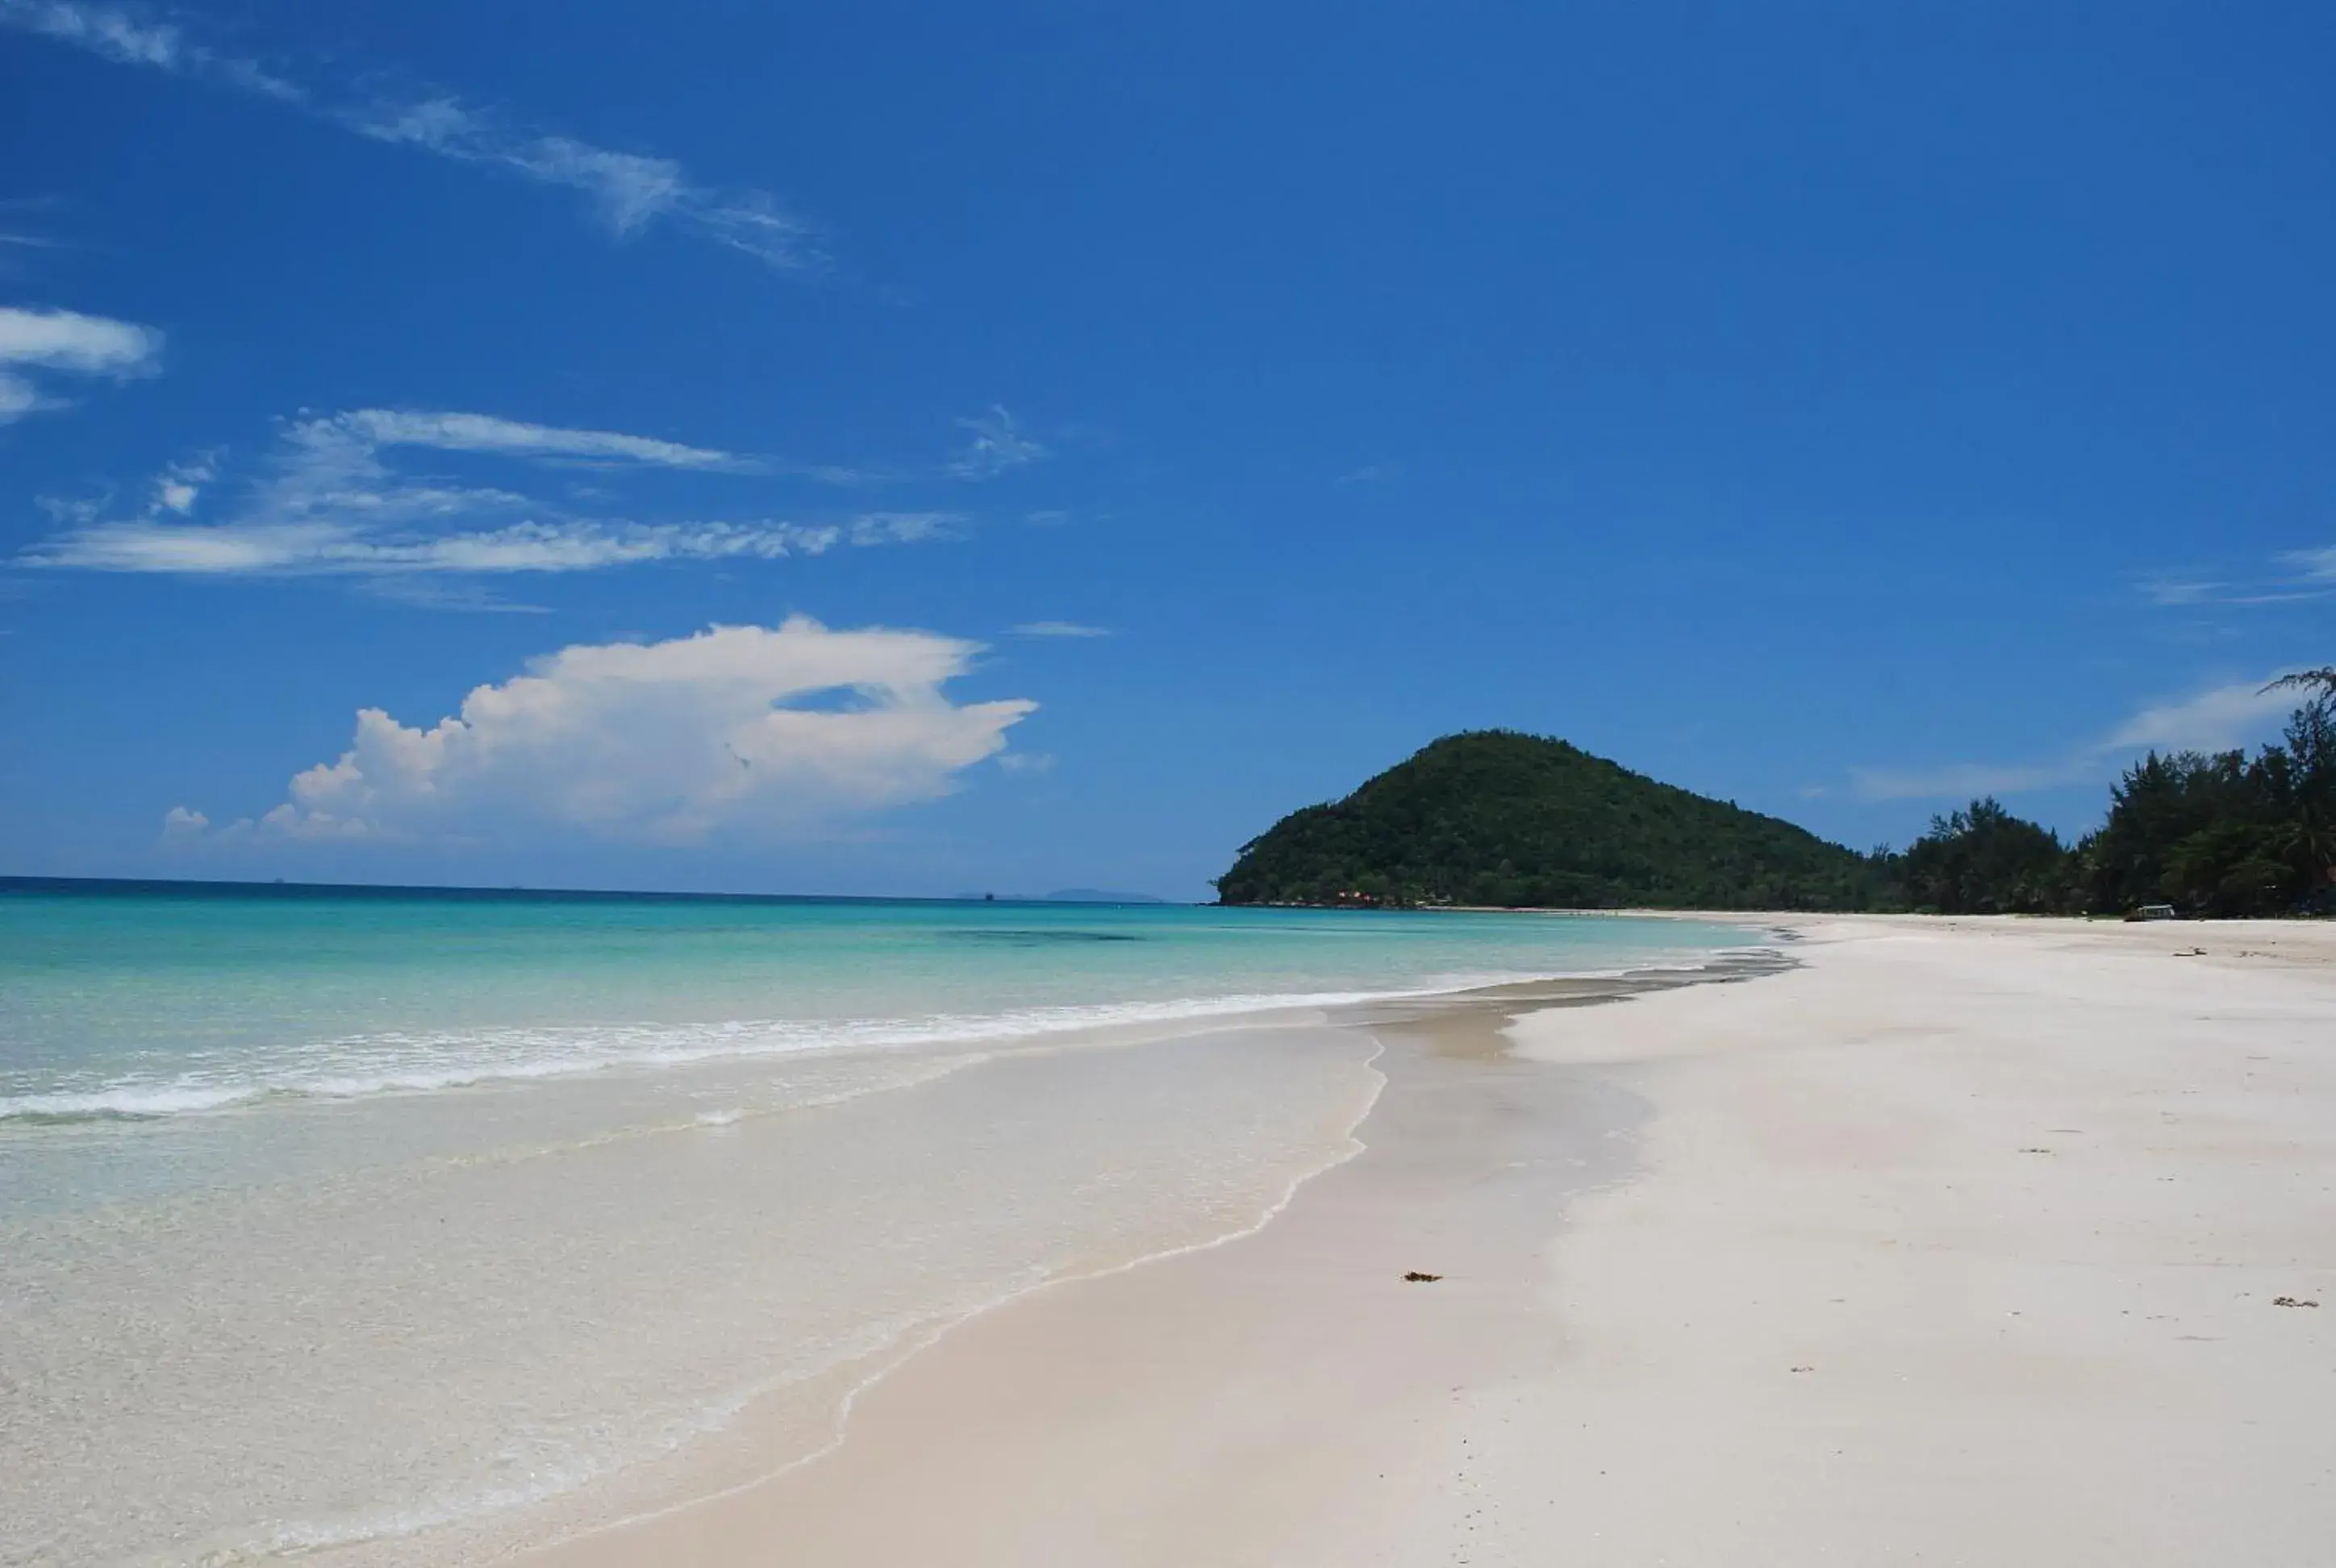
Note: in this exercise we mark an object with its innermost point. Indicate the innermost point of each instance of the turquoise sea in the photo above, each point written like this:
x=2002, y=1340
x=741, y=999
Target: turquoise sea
x=404, y=1226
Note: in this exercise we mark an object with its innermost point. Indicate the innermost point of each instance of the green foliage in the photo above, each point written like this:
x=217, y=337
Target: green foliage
x=1986, y=861
x=2222, y=835
x=1497, y=818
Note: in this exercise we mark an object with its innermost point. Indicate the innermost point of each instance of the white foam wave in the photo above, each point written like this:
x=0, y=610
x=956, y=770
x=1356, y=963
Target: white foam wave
x=357, y=1066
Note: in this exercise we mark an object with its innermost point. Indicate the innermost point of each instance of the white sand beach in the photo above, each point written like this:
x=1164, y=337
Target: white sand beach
x=1965, y=1242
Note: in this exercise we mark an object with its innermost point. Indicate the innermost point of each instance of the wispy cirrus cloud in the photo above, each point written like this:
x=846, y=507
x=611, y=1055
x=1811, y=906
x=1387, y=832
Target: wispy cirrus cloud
x=337, y=549
x=484, y=432
x=2217, y=719
x=626, y=191
x=1043, y=628
x=2294, y=577
x=17, y=241
x=2316, y=566
x=742, y=731
x=330, y=501
x=36, y=346
x=996, y=445
x=131, y=37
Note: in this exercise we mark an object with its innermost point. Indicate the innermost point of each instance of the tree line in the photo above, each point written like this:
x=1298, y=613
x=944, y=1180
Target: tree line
x=2210, y=833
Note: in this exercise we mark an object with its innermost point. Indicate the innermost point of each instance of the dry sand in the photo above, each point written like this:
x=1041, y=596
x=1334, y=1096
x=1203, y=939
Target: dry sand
x=1961, y=1243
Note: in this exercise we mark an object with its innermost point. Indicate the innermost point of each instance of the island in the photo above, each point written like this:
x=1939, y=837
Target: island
x=1501, y=819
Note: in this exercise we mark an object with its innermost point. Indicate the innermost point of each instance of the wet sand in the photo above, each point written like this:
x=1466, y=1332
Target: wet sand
x=1958, y=1241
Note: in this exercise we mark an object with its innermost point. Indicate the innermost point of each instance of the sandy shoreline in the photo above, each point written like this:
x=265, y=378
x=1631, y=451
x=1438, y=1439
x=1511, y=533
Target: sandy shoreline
x=1958, y=1244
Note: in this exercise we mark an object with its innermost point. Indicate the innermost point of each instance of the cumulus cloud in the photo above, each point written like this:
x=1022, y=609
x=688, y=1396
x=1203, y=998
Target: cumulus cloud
x=178, y=487
x=626, y=191
x=997, y=447
x=66, y=343
x=2217, y=719
x=331, y=503
x=746, y=730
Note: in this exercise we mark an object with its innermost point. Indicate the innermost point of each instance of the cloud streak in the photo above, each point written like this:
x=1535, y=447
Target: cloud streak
x=2301, y=575
x=625, y=191
x=2216, y=719
x=331, y=503
x=742, y=731
x=320, y=550
x=1057, y=629
x=38, y=344
x=483, y=433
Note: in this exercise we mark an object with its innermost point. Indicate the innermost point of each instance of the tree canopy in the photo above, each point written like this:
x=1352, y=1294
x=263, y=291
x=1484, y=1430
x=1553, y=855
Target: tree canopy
x=1493, y=817
x=1498, y=818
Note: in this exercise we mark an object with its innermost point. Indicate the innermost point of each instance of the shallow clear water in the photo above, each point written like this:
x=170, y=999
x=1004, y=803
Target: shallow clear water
x=403, y=1228
x=144, y=1004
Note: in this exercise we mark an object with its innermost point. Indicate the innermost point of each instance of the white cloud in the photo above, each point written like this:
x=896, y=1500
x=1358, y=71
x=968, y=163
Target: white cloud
x=103, y=30
x=2316, y=565
x=330, y=504
x=1028, y=762
x=2218, y=719
x=997, y=447
x=66, y=340
x=2182, y=591
x=179, y=822
x=340, y=549
x=441, y=593
x=1057, y=629
x=178, y=487
x=66, y=343
x=2299, y=575
x=902, y=527
x=627, y=191
x=128, y=37
x=483, y=433
x=2213, y=720
x=737, y=730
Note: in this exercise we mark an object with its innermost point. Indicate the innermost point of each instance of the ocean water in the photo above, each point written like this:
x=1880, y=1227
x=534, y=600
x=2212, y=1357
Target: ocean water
x=401, y=1229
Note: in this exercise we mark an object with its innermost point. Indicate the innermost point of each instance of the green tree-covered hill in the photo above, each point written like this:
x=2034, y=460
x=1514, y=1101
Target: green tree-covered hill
x=1496, y=817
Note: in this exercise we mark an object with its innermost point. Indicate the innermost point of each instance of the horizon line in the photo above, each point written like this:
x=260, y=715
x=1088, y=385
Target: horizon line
x=279, y=887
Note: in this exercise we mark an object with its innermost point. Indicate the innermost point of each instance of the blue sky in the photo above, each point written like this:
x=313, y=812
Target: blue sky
x=1095, y=431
